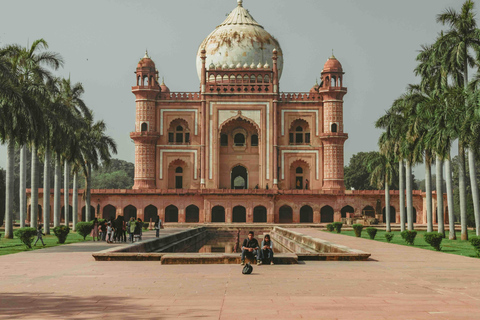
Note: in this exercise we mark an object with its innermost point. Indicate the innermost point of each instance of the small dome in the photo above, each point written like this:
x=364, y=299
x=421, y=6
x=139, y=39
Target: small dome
x=332, y=65
x=239, y=65
x=266, y=66
x=232, y=66
x=245, y=66
x=211, y=66
x=252, y=66
x=146, y=62
x=259, y=65
x=163, y=87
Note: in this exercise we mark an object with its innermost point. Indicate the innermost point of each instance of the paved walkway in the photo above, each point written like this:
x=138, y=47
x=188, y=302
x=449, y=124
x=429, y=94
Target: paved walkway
x=398, y=283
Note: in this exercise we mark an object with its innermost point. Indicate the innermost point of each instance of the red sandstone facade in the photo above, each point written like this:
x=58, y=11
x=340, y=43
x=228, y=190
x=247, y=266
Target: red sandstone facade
x=239, y=149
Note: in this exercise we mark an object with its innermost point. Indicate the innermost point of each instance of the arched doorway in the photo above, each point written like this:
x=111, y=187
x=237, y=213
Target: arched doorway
x=260, y=214
x=150, y=213
x=368, y=211
x=92, y=213
x=239, y=178
x=285, y=214
x=171, y=214
x=109, y=212
x=239, y=214
x=326, y=214
x=218, y=214
x=306, y=214
x=392, y=214
x=192, y=214
x=346, y=209
x=129, y=212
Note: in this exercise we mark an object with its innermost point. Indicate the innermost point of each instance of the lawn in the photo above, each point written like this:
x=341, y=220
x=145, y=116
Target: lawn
x=459, y=247
x=8, y=246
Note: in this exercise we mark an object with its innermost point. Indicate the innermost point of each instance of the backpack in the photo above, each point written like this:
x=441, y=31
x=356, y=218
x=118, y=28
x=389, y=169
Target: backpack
x=247, y=269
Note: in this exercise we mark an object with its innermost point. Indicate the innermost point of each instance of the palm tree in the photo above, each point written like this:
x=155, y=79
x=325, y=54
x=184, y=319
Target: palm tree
x=96, y=148
x=11, y=107
x=392, y=122
x=455, y=46
x=33, y=68
x=381, y=171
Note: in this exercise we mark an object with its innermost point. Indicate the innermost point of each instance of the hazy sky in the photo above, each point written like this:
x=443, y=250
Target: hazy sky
x=101, y=41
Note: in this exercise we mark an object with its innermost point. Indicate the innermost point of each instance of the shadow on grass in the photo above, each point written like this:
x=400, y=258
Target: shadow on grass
x=45, y=306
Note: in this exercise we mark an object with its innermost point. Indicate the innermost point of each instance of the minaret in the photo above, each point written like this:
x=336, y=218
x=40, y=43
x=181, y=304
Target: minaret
x=145, y=136
x=333, y=137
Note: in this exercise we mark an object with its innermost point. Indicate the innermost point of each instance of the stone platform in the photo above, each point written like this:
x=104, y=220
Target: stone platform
x=398, y=282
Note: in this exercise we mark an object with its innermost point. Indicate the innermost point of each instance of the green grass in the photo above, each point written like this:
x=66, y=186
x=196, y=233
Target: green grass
x=9, y=246
x=459, y=247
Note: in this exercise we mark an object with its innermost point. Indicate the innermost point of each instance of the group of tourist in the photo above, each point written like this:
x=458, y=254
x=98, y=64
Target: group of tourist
x=115, y=230
x=251, y=248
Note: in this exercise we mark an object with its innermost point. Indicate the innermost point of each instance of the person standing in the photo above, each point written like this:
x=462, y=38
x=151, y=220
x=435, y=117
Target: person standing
x=131, y=229
x=307, y=184
x=109, y=233
x=94, y=233
x=40, y=235
x=158, y=226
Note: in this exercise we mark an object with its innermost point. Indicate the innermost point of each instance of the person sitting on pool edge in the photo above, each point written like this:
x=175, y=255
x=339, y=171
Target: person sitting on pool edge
x=250, y=247
x=266, y=249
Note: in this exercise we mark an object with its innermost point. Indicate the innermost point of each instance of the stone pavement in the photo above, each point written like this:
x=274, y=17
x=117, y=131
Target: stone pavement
x=399, y=282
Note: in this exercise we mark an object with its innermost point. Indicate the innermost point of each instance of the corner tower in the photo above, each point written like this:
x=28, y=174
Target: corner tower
x=333, y=137
x=145, y=136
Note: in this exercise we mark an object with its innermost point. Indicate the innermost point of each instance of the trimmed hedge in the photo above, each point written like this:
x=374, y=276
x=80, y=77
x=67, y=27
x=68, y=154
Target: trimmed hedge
x=61, y=232
x=26, y=235
x=358, y=229
x=84, y=228
x=434, y=239
x=475, y=242
x=409, y=236
x=337, y=226
x=330, y=227
x=372, y=232
x=389, y=236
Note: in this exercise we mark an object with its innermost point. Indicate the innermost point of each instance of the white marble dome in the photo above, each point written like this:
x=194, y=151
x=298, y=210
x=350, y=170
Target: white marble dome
x=240, y=40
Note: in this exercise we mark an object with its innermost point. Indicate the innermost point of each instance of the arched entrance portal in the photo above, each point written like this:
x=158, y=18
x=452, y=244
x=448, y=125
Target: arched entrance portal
x=285, y=214
x=239, y=178
x=260, y=214
x=306, y=214
x=218, y=214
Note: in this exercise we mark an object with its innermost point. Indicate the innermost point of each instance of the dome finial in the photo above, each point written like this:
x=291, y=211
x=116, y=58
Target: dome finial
x=332, y=57
x=146, y=54
x=240, y=3
x=163, y=81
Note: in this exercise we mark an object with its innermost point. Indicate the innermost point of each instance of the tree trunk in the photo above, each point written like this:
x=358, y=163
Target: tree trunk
x=428, y=193
x=474, y=187
x=9, y=190
x=401, y=195
x=66, y=189
x=408, y=179
x=88, y=182
x=46, y=191
x=440, y=215
x=74, y=202
x=34, y=189
x=387, y=205
x=23, y=186
x=451, y=215
x=56, y=193
x=462, y=190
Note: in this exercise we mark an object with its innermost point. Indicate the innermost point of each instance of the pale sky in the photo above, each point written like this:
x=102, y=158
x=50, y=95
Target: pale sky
x=101, y=41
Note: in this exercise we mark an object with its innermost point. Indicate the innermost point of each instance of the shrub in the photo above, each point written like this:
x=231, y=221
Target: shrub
x=61, y=232
x=26, y=235
x=358, y=229
x=409, y=236
x=146, y=225
x=337, y=226
x=475, y=241
x=372, y=232
x=389, y=236
x=84, y=228
x=434, y=239
x=330, y=227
